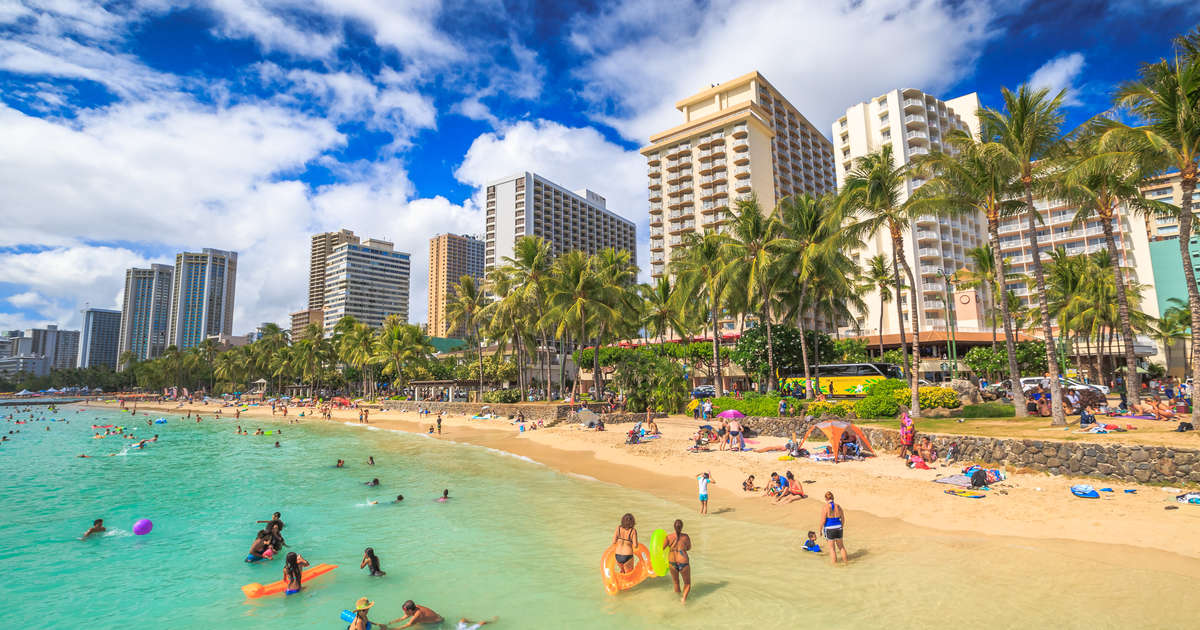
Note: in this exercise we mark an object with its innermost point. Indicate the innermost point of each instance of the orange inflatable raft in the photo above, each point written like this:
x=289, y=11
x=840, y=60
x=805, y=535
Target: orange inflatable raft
x=614, y=580
x=274, y=588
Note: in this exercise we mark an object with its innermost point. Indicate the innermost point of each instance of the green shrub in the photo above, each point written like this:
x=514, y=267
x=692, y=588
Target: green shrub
x=756, y=405
x=987, y=410
x=929, y=397
x=502, y=396
x=884, y=406
x=886, y=387
x=841, y=408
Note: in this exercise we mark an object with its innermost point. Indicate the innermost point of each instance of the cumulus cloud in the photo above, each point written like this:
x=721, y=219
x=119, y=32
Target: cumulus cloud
x=1060, y=73
x=573, y=157
x=643, y=55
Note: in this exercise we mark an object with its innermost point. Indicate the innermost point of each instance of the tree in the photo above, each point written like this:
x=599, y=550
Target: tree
x=357, y=349
x=878, y=277
x=872, y=194
x=1166, y=100
x=666, y=308
x=974, y=177
x=699, y=261
x=400, y=346
x=577, y=298
x=530, y=267
x=466, y=309
x=1018, y=138
x=650, y=381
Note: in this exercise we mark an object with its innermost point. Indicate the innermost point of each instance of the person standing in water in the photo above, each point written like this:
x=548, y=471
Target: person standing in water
x=833, y=520
x=371, y=561
x=445, y=496
x=96, y=528
x=292, y=567
x=360, y=621
x=704, y=479
x=626, y=540
x=680, y=544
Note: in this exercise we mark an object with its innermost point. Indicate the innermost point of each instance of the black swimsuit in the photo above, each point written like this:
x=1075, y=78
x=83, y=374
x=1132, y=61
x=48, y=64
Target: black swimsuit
x=622, y=558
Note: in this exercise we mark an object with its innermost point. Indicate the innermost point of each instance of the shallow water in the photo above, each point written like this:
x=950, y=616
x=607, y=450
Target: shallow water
x=517, y=540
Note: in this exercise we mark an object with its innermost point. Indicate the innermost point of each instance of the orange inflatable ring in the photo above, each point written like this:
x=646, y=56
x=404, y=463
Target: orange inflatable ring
x=614, y=580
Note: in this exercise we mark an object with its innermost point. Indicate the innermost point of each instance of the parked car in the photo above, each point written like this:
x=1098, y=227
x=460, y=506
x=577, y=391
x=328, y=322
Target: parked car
x=1029, y=382
x=705, y=391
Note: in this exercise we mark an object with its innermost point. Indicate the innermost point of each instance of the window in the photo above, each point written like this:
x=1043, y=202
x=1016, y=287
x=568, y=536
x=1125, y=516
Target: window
x=883, y=118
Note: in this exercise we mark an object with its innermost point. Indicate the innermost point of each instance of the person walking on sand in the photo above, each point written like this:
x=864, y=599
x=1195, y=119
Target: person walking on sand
x=439, y=423
x=680, y=564
x=704, y=479
x=833, y=521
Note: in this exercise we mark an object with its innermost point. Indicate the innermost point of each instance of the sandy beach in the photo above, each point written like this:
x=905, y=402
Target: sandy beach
x=880, y=492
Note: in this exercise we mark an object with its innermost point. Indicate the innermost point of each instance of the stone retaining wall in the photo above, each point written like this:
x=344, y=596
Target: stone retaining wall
x=617, y=418
x=546, y=413
x=1134, y=463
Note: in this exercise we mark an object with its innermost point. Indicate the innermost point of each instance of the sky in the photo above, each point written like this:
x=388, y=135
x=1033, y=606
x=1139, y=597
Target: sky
x=134, y=129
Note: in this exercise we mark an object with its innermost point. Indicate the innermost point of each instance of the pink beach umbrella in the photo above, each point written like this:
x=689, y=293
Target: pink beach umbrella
x=731, y=413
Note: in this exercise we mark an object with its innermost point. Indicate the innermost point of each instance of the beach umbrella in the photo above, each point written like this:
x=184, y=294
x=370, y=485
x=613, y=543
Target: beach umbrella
x=731, y=413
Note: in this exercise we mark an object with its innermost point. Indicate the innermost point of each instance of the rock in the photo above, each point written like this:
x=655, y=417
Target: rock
x=968, y=392
x=936, y=412
x=1141, y=475
x=1165, y=467
x=1140, y=455
x=1053, y=462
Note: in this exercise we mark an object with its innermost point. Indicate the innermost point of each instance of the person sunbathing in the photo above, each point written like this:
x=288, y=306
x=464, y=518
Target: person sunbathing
x=1162, y=410
x=927, y=451
x=792, y=491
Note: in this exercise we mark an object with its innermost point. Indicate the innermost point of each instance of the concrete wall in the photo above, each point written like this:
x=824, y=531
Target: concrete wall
x=545, y=413
x=1133, y=463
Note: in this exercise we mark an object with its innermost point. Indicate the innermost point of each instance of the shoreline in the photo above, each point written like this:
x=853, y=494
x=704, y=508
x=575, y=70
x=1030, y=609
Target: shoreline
x=880, y=494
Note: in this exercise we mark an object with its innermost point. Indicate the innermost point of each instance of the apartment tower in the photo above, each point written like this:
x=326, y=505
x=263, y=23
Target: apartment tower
x=60, y=348
x=145, y=312
x=322, y=246
x=367, y=280
x=202, y=296
x=100, y=340
x=737, y=138
x=531, y=205
x=913, y=123
x=451, y=256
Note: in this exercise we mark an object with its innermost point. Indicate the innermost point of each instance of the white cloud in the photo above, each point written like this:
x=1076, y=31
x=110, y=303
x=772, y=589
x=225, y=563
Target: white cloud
x=1058, y=74
x=644, y=55
x=573, y=157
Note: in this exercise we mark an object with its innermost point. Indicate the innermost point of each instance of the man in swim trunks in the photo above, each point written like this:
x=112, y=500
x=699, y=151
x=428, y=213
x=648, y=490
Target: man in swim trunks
x=417, y=614
x=261, y=543
x=96, y=528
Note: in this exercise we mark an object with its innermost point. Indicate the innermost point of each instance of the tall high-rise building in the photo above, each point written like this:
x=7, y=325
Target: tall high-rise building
x=301, y=320
x=367, y=280
x=913, y=123
x=146, y=311
x=531, y=205
x=202, y=296
x=101, y=335
x=737, y=138
x=451, y=256
x=59, y=347
x=1166, y=188
x=322, y=246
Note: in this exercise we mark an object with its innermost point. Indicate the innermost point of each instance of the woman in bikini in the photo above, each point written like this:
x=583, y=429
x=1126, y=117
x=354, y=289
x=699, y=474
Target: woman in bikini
x=792, y=492
x=833, y=519
x=626, y=541
x=680, y=543
x=292, y=572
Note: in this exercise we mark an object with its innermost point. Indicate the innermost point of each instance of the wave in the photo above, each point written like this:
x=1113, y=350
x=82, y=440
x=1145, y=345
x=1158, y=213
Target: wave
x=514, y=455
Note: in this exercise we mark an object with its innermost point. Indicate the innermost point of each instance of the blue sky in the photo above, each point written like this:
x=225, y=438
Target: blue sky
x=133, y=129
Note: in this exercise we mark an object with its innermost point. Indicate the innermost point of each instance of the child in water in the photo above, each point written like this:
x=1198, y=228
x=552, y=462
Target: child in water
x=445, y=496
x=811, y=543
x=371, y=561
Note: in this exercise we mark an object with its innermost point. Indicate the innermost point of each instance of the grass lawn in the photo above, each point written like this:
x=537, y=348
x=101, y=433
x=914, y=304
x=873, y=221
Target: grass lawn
x=1147, y=431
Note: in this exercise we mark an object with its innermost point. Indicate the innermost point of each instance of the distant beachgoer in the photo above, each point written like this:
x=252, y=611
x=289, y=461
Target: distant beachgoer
x=399, y=498
x=704, y=479
x=723, y=434
x=417, y=614
x=680, y=564
x=277, y=445
x=360, y=621
x=748, y=484
x=773, y=488
x=274, y=538
x=292, y=572
x=439, y=423
x=96, y=528
x=369, y=558
x=907, y=434
x=833, y=522
x=736, y=435
x=372, y=483
x=340, y=464
x=445, y=496
x=811, y=543
x=275, y=521
x=792, y=492
x=370, y=460
x=626, y=541
x=262, y=542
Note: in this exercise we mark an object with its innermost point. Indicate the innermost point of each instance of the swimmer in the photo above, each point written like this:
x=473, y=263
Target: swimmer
x=369, y=558
x=372, y=483
x=680, y=544
x=155, y=438
x=417, y=614
x=259, y=546
x=360, y=621
x=277, y=445
x=340, y=464
x=96, y=528
x=467, y=624
x=292, y=566
x=274, y=522
x=370, y=460
x=445, y=496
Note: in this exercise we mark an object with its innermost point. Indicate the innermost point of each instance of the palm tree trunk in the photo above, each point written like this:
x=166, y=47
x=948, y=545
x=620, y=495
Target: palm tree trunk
x=479, y=352
x=881, y=303
x=596, y=382
x=1122, y=311
x=564, y=343
x=915, y=386
x=899, y=311
x=716, y=342
x=1039, y=276
x=1010, y=337
x=1187, y=178
x=808, y=388
x=771, y=375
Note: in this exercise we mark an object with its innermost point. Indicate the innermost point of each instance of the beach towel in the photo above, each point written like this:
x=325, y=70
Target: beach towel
x=1189, y=497
x=919, y=463
x=961, y=481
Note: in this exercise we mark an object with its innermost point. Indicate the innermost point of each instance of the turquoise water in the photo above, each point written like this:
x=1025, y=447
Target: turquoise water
x=518, y=541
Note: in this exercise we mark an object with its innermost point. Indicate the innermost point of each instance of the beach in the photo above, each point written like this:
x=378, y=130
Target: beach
x=530, y=513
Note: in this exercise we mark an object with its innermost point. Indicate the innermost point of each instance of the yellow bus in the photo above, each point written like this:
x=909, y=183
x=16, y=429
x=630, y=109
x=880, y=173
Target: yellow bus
x=840, y=379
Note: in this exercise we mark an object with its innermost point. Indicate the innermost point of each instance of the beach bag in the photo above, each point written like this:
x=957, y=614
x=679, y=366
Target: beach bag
x=979, y=478
x=1185, y=426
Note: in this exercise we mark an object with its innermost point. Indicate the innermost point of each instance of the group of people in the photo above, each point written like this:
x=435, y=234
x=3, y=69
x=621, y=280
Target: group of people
x=782, y=488
x=414, y=614
x=268, y=542
x=678, y=544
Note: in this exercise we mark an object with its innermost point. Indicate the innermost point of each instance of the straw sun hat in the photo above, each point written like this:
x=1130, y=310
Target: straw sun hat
x=362, y=604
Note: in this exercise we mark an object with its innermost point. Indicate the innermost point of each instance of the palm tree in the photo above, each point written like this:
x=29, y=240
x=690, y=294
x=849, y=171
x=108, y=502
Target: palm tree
x=1017, y=139
x=617, y=274
x=465, y=309
x=666, y=308
x=576, y=299
x=207, y=351
x=754, y=241
x=530, y=269
x=1166, y=100
x=700, y=263
x=878, y=277
x=871, y=195
x=357, y=349
x=1179, y=314
x=399, y=347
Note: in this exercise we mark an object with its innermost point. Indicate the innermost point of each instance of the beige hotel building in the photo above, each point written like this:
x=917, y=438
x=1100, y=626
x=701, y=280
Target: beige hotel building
x=737, y=137
x=451, y=256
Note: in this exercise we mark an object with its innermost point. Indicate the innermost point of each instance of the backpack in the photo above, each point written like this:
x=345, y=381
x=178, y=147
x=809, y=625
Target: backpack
x=979, y=478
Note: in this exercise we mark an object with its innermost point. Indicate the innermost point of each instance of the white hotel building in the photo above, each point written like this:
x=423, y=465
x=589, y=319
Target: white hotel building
x=367, y=280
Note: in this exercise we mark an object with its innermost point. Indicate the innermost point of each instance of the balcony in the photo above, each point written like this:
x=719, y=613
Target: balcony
x=655, y=184
x=656, y=220
x=676, y=241
x=678, y=176
x=652, y=159
x=656, y=270
x=740, y=131
x=740, y=146
x=914, y=105
x=916, y=136
x=927, y=270
x=655, y=207
x=742, y=185
x=719, y=175
x=680, y=228
x=928, y=252
x=917, y=151
x=656, y=232
x=914, y=119
x=679, y=150
x=655, y=195
x=934, y=305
